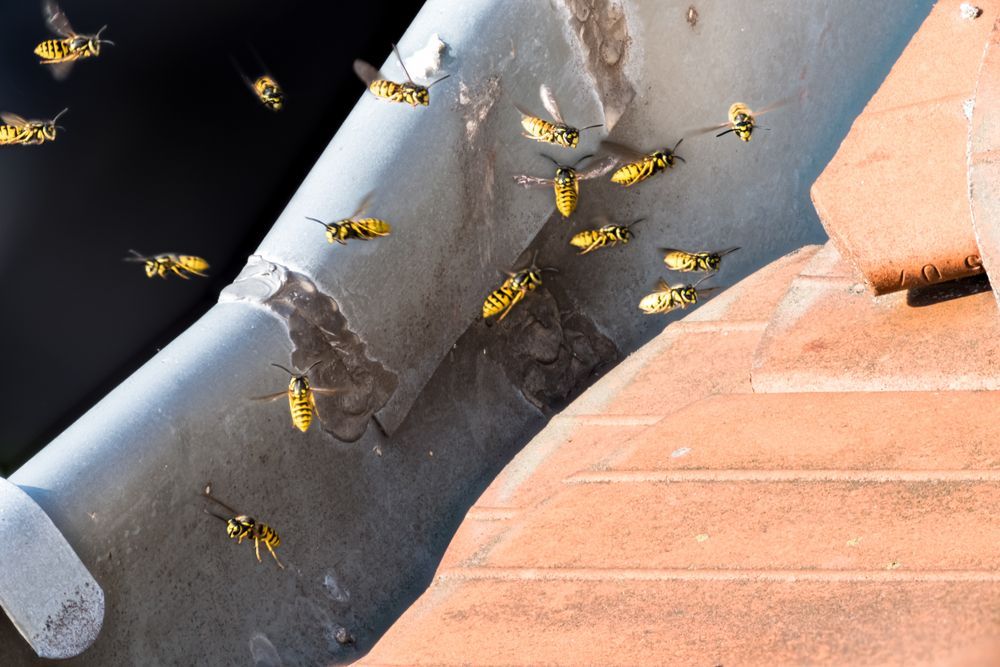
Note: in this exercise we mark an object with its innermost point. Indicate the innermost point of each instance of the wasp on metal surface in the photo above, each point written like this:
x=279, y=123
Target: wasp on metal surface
x=301, y=397
x=265, y=88
x=167, y=262
x=355, y=227
x=607, y=234
x=63, y=52
x=240, y=526
x=407, y=93
x=501, y=300
x=567, y=181
x=558, y=133
x=16, y=130
x=682, y=260
x=742, y=120
x=640, y=166
x=667, y=298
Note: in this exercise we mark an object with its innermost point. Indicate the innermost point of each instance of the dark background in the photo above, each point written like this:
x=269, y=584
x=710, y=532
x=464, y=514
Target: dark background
x=165, y=151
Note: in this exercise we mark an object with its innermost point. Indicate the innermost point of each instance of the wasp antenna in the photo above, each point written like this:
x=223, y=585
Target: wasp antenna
x=284, y=369
x=550, y=159
x=732, y=129
x=534, y=259
x=60, y=114
x=678, y=157
x=400, y=59
x=314, y=365
x=315, y=220
x=549, y=268
x=438, y=81
x=582, y=159
x=591, y=127
x=677, y=144
x=136, y=257
x=704, y=278
x=635, y=222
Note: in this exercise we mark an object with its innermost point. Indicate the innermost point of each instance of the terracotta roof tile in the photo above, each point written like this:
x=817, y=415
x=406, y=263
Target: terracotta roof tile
x=984, y=158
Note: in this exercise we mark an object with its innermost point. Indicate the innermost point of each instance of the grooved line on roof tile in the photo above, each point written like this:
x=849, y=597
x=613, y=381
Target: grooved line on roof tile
x=491, y=514
x=779, y=576
x=714, y=326
x=929, y=101
x=611, y=420
x=666, y=476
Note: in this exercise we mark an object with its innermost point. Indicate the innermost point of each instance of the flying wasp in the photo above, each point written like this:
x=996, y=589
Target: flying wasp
x=567, y=181
x=640, y=166
x=16, y=130
x=682, y=260
x=607, y=234
x=301, y=397
x=240, y=526
x=264, y=87
x=355, y=227
x=63, y=52
x=164, y=263
x=742, y=120
x=408, y=92
x=501, y=300
x=558, y=133
x=667, y=298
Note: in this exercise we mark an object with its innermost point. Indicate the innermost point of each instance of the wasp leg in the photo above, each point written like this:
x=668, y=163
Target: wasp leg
x=178, y=271
x=510, y=306
x=274, y=555
x=593, y=246
x=256, y=546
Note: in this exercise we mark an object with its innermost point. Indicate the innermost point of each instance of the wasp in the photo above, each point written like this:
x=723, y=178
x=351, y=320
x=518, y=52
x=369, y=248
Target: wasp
x=264, y=87
x=567, y=181
x=682, y=260
x=355, y=227
x=501, y=300
x=63, y=52
x=240, y=526
x=559, y=132
x=408, y=92
x=16, y=130
x=641, y=166
x=742, y=120
x=160, y=265
x=667, y=298
x=607, y=234
x=301, y=397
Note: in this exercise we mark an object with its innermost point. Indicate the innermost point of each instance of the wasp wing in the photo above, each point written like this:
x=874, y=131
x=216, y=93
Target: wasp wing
x=363, y=206
x=549, y=102
x=366, y=72
x=622, y=151
x=599, y=168
x=60, y=70
x=706, y=130
x=325, y=391
x=56, y=20
x=774, y=105
x=662, y=286
x=12, y=119
x=270, y=397
x=533, y=182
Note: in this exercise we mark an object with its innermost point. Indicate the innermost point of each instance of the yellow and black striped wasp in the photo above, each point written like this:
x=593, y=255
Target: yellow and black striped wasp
x=17, y=130
x=301, y=397
x=354, y=226
x=742, y=120
x=164, y=263
x=501, y=300
x=607, y=234
x=639, y=165
x=382, y=88
x=682, y=260
x=63, y=52
x=667, y=298
x=558, y=133
x=566, y=183
x=265, y=88
x=240, y=526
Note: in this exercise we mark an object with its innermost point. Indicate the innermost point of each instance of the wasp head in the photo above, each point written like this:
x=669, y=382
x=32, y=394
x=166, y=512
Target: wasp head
x=565, y=175
x=238, y=526
x=743, y=125
x=713, y=262
x=422, y=96
x=688, y=294
x=568, y=136
x=93, y=44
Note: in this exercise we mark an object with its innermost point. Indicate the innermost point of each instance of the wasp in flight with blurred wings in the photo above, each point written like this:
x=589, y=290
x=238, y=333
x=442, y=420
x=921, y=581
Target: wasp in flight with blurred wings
x=265, y=88
x=501, y=300
x=667, y=298
x=354, y=226
x=301, y=397
x=17, y=130
x=558, y=133
x=167, y=262
x=408, y=92
x=240, y=526
x=639, y=165
x=606, y=235
x=682, y=260
x=742, y=120
x=63, y=52
x=566, y=183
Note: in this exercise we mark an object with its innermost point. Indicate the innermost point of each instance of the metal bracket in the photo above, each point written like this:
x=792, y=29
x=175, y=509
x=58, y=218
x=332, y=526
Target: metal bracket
x=45, y=589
